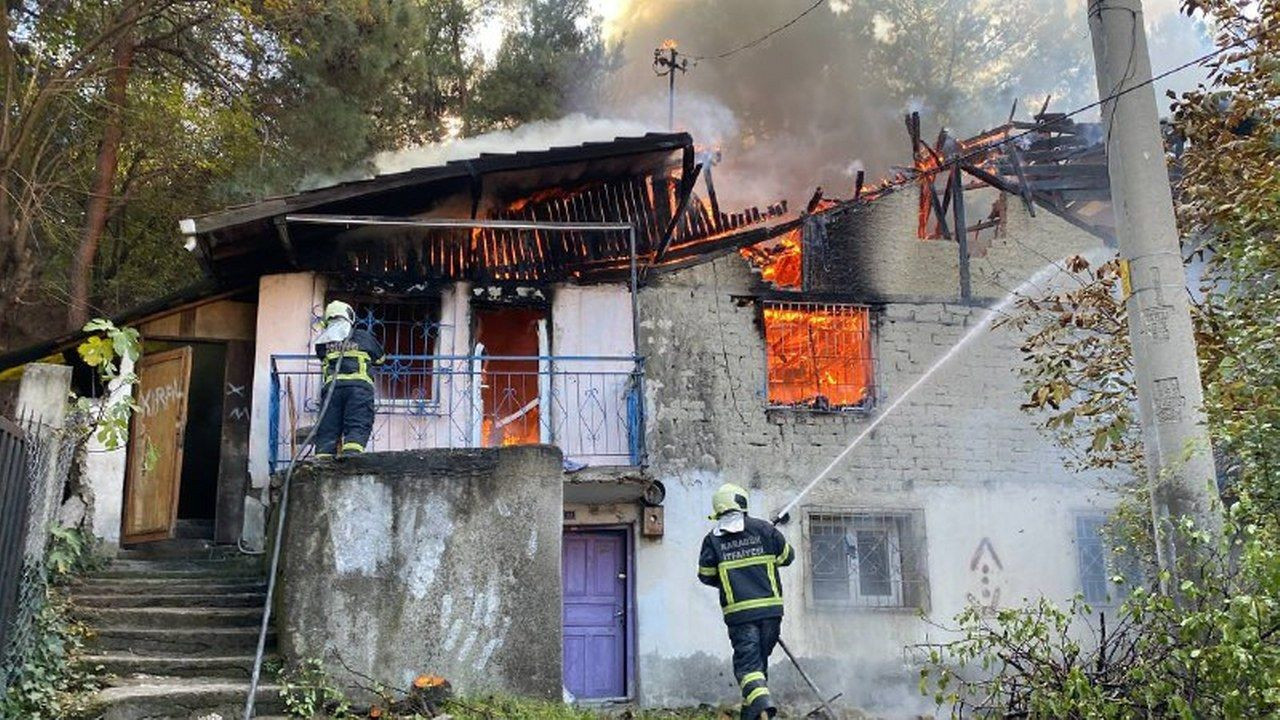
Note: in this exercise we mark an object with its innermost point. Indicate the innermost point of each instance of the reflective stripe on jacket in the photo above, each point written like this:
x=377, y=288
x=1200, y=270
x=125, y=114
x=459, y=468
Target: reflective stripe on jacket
x=744, y=566
x=349, y=360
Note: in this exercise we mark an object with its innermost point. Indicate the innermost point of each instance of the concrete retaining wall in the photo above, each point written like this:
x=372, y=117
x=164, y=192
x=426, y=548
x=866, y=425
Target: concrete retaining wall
x=437, y=561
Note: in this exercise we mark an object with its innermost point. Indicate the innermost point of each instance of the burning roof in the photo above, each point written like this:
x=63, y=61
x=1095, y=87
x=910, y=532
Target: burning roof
x=648, y=182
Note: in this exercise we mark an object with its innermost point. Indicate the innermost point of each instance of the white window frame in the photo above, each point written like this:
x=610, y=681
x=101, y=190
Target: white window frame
x=892, y=523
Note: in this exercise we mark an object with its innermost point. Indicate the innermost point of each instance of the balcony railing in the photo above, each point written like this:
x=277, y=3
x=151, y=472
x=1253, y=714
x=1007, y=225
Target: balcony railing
x=591, y=407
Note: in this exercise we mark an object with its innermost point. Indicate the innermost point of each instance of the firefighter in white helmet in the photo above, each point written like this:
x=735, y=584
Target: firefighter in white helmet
x=741, y=557
x=346, y=354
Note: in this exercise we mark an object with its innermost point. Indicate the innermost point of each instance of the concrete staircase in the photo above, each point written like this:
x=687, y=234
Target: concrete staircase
x=177, y=628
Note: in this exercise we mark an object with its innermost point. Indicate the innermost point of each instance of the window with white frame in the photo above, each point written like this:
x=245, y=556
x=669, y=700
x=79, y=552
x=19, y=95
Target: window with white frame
x=866, y=559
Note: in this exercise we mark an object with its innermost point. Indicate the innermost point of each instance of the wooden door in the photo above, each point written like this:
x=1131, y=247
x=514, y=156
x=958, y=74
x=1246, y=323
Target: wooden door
x=155, y=446
x=594, y=569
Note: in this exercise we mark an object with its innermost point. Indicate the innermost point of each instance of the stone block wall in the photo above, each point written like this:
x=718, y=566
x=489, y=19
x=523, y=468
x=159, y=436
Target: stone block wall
x=975, y=473
x=434, y=561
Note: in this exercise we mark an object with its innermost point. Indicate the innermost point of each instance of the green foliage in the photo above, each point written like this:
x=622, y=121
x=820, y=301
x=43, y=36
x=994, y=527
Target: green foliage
x=51, y=682
x=309, y=692
x=1211, y=653
x=548, y=61
x=70, y=553
x=105, y=353
x=233, y=101
x=510, y=708
x=1078, y=366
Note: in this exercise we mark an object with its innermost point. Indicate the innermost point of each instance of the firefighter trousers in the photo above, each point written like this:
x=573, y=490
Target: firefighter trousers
x=753, y=642
x=349, y=417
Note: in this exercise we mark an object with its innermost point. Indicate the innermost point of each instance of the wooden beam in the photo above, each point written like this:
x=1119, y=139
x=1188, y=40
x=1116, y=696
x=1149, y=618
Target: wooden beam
x=282, y=234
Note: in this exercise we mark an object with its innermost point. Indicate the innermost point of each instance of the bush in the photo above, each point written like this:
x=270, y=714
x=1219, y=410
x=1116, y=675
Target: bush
x=50, y=680
x=1213, y=650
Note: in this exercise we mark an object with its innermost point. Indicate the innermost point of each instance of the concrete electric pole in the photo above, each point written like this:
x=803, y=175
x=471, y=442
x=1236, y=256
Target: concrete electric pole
x=1178, y=456
x=671, y=62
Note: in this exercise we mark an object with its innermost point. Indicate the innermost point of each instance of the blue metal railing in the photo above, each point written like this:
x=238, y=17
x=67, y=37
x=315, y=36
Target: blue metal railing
x=591, y=407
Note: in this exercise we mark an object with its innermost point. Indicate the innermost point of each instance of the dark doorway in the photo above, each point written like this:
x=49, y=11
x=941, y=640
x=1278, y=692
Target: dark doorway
x=202, y=443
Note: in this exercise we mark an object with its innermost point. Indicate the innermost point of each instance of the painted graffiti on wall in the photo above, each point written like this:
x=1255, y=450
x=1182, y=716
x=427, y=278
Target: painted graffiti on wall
x=986, y=569
x=235, y=399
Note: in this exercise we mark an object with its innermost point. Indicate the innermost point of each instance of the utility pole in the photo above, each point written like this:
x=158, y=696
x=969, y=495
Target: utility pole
x=671, y=62
x=1179, y=460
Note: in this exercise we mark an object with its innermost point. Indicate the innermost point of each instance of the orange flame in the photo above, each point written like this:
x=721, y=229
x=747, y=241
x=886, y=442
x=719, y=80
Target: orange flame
x=780, y=260
x=818, y=356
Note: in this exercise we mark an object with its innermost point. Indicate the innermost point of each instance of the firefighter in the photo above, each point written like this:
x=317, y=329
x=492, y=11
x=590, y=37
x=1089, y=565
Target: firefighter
x=741, y=557
x=346, y=353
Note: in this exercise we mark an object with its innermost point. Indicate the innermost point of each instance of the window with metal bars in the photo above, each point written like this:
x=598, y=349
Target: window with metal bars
x=818, y=355
x=866, y=559
x=408, y=332
x=1106, y=576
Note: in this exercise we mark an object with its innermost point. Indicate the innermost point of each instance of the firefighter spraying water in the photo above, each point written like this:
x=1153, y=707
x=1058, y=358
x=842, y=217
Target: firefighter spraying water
x=741, y=557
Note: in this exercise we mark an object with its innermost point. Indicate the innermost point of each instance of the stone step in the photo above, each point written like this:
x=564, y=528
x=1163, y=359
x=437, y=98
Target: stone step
x=214, y=666
x=169, y=586
x=178, y=618
x=88, y=599
x=181, y=699
x=204, y=642
x=182, y=567
x=175, y=547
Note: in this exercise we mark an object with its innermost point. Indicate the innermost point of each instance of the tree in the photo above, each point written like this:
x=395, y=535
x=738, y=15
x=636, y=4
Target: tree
x=549, y=60
x=1214, y=651
x=127, y=115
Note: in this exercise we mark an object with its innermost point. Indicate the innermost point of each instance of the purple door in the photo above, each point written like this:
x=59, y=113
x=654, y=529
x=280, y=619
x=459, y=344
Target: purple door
x=595, y=614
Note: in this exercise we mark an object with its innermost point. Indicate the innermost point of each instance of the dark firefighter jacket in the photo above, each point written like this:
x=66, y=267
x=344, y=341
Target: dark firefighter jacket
x=348, y=361
x=744, y=566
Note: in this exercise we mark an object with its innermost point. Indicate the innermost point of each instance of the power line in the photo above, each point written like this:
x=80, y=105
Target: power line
x=762, y=38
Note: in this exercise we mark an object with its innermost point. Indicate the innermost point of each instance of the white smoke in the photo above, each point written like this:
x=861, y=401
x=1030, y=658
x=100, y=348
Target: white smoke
x=567, y=131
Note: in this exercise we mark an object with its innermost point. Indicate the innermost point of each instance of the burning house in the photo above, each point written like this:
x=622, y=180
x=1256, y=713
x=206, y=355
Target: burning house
x=582, y=345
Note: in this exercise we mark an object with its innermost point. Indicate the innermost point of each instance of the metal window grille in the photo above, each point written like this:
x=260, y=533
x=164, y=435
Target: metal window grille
x=865, y=559
x=1091, y=552
x=409, y=333
x=819, y=356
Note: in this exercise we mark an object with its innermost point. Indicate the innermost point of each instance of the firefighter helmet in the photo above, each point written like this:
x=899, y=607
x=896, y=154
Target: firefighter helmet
x=728, y=497
x=338, y=309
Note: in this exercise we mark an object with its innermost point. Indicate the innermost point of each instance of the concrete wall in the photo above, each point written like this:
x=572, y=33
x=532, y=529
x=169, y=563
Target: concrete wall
x=286, y=305
x=873, y=251
x=437, y=561
x=959, y=455
x=104, y=470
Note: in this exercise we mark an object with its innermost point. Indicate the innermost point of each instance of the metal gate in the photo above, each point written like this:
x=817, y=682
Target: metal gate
x=14, y=502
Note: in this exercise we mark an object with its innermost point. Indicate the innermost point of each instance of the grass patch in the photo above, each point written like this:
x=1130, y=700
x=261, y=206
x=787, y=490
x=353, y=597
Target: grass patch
x=509, y=708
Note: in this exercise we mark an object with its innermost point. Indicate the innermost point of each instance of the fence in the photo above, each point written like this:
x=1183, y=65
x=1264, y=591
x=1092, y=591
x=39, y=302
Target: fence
x=35, y=462
x=591, y=407
x=14, y=498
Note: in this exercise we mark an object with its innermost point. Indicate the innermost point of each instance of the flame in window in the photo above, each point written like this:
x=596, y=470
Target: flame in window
x=779, y=260
x=819, y=356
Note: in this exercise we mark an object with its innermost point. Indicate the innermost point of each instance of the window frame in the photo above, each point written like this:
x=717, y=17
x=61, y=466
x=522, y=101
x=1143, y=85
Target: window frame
x=868, y=403
x=1109, y=565
x=433, y=323
x=908, y=569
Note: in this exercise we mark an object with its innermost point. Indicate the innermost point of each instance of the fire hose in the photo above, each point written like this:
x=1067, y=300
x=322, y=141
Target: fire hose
x=823, y=702
x=275, y=558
